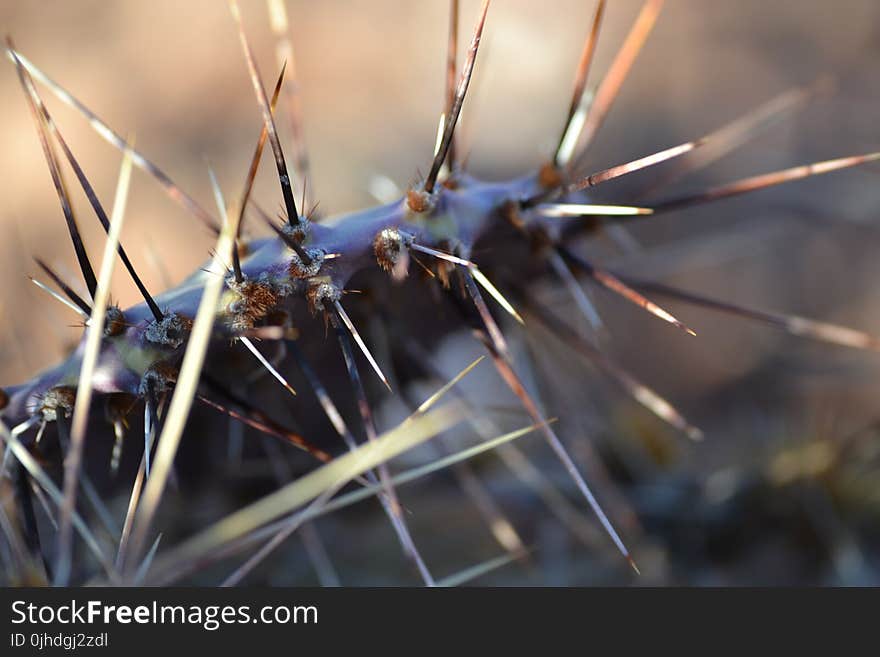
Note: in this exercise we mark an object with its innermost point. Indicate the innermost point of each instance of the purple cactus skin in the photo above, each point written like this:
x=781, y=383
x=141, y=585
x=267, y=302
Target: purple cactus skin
x=455, y=220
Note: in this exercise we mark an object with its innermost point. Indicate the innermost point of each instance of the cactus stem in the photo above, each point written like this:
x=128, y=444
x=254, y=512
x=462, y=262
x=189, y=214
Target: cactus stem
x=327, y=405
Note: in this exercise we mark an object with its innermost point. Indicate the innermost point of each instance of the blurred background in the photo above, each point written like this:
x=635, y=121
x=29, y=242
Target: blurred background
x=785, y=487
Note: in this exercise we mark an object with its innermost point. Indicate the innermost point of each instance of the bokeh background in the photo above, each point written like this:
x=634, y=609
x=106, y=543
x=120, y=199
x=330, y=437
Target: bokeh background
x=785, y=487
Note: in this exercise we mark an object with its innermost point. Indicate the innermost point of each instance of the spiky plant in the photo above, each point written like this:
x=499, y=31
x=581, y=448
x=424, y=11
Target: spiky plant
x=261, y=302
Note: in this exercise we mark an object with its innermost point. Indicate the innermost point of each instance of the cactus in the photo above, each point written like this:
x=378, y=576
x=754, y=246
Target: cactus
x=154, y=354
